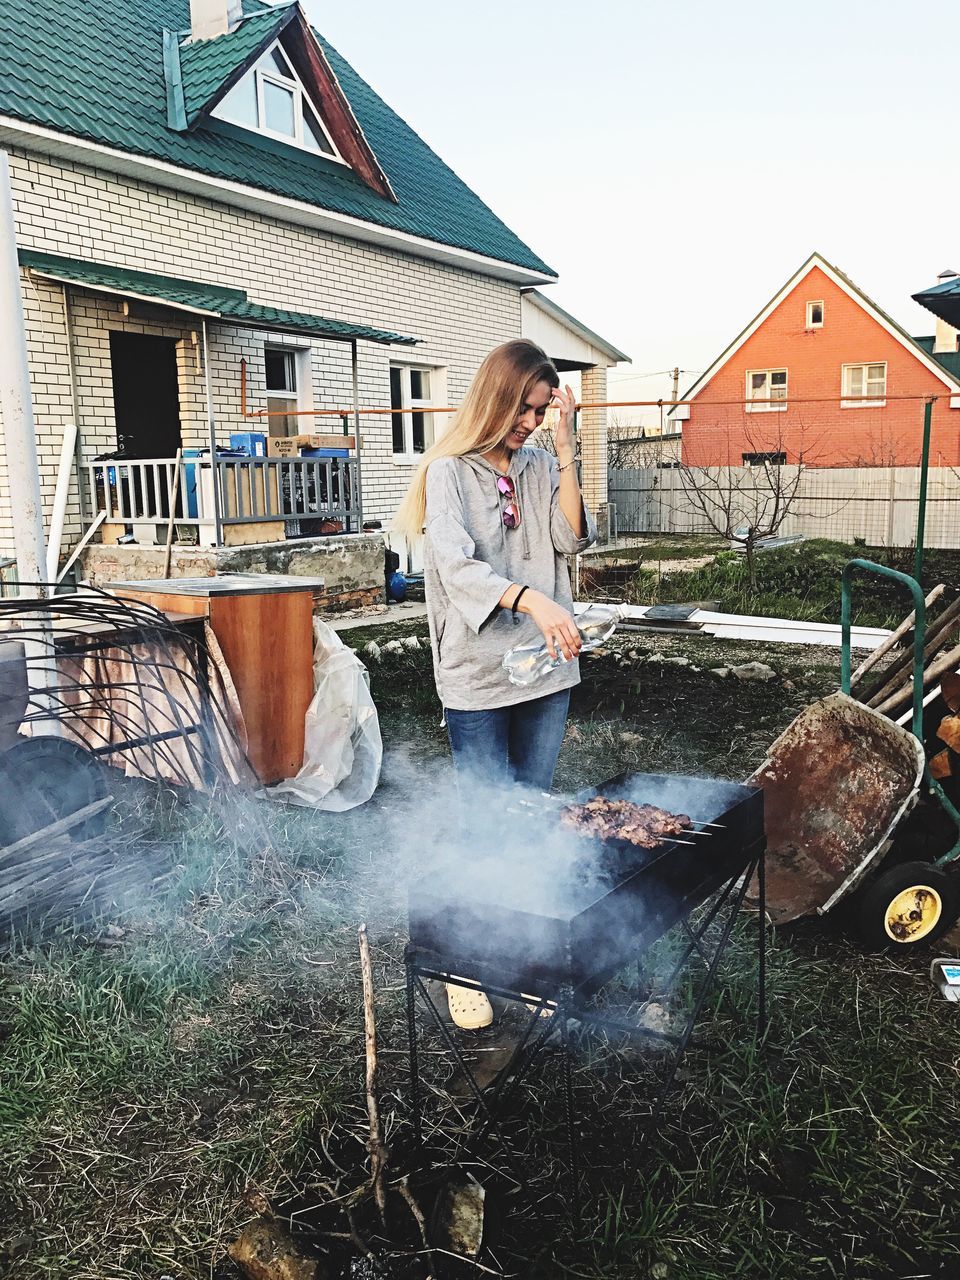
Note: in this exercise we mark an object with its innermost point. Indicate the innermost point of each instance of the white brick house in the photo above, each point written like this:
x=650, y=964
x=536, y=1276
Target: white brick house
x=135, y=212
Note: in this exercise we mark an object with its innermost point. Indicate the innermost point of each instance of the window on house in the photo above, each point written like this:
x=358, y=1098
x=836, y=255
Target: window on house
x=270, y=99
x=771, y=458
x=859, y=380
x=281, y=380
x=410, y=390
x=814, y=315
x=767, y=387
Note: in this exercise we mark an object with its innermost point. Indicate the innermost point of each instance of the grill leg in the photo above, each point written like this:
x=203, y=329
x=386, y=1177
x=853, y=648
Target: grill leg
x=705, y=987
x=416, y=1110
x=762, y=944
x=564, y=1005
x=516, y=1069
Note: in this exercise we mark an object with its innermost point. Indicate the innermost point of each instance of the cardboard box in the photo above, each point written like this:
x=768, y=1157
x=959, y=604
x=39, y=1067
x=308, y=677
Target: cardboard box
x=283, y=447
x=290, y=446
x=327, y=440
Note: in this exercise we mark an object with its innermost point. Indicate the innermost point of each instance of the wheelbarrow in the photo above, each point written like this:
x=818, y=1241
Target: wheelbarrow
x=837, y=785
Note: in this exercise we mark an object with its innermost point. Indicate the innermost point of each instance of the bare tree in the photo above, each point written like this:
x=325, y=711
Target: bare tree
x=746, y=504
x=631, y=447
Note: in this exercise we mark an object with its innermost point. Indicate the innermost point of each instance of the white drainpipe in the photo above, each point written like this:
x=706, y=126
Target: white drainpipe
x=16, y=404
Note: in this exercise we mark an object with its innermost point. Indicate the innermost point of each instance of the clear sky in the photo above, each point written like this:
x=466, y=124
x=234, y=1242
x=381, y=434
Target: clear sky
x=676, y=162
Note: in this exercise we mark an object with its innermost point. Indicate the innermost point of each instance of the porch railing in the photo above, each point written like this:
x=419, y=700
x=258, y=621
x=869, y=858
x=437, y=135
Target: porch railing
x=304, y=493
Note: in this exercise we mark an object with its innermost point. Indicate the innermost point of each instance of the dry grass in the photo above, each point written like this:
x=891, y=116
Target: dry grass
x=145, y=1083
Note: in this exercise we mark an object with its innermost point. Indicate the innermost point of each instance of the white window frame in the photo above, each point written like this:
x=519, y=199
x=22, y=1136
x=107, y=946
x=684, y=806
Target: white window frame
x=811, y=323
x=407, y=402
x=292, y=84
x=769, y=458
x=301, y=362
x=845, y=370
x=780, y=406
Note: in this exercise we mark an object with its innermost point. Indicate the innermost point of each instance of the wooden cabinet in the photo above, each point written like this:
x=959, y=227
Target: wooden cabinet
x=264, y=625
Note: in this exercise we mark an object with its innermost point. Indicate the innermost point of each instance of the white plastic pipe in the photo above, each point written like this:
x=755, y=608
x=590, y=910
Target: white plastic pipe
x=16, y=405
x=60, y=500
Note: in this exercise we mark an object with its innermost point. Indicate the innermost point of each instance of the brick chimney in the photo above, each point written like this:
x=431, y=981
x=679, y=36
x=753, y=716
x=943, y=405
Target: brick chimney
x=209, y=18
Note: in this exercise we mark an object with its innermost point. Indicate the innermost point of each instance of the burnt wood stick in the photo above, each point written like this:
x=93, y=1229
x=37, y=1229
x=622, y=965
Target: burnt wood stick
x=936, y=638
x=875, y=655
x=378, y=1154
x=57, y=828
x=946, y=662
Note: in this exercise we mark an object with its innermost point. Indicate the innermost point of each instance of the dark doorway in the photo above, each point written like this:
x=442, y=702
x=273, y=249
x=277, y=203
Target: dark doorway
x=146, y=399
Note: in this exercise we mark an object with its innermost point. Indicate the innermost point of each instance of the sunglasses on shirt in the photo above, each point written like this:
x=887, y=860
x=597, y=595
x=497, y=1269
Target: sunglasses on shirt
x=511, y=508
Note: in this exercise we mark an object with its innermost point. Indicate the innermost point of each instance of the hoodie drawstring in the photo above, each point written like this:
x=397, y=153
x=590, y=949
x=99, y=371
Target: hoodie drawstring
x=524, y=535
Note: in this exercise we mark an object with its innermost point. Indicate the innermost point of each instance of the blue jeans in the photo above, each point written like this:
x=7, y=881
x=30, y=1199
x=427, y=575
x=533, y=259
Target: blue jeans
x=519, y=743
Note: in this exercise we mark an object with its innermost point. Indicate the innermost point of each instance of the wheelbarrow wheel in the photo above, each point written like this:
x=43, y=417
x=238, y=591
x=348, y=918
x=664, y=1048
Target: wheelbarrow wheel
x=911, y=903
x=45, y=779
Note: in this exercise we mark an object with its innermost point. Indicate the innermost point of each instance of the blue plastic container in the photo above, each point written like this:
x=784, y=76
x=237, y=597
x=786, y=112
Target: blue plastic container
x=190, y=481
x=397, y=587
x=324, y=453
x=252, y=443
x=191, y=472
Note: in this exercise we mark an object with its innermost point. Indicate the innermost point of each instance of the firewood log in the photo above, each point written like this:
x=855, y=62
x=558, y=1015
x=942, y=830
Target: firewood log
x=936, y=638
x=874, y=657
x=949, y=732
x=941, y=765
x=946, y=662
x=950, y=689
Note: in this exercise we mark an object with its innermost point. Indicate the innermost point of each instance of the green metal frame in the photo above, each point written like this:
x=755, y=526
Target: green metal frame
x=922, y=497
x=919, y=639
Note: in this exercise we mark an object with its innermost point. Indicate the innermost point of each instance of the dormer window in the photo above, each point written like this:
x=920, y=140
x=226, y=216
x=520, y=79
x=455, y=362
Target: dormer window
x=270, y=100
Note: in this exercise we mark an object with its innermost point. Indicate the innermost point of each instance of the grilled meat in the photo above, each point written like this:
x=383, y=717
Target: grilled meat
x=642, y=824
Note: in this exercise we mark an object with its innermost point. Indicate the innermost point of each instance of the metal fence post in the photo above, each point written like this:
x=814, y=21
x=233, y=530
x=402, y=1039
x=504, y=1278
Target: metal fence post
x=922, y=501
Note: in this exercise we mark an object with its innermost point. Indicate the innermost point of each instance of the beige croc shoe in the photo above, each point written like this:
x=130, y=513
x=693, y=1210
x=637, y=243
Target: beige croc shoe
x=469, y=1009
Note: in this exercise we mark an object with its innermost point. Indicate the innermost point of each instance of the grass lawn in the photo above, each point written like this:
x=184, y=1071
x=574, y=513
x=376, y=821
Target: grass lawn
x=797, y=581
x=212, y=1039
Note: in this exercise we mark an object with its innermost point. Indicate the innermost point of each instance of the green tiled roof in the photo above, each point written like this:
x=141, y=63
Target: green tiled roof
x=96, y=71
x=943, y=300
x=949, y=359
x=206, y=65
x=210, y=300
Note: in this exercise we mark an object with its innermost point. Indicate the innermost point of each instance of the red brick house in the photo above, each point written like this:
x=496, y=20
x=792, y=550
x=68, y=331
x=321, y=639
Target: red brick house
x=823, y=376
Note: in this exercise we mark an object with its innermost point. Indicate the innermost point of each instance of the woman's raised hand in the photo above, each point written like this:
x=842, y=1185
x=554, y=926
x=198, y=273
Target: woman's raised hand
x=556, y=623
x=563, y=436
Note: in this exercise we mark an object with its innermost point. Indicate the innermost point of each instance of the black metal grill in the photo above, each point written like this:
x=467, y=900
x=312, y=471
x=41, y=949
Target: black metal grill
x=604, y=907
x=530, y=922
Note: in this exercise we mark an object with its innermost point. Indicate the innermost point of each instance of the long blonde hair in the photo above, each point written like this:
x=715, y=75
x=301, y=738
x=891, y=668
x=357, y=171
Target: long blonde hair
x=492, y=404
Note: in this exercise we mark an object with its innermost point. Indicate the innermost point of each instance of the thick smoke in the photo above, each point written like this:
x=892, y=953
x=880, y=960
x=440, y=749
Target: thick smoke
x=493, y=873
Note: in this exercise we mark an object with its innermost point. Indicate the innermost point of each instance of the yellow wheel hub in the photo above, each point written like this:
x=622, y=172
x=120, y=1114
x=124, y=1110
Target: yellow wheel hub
x=913, y=913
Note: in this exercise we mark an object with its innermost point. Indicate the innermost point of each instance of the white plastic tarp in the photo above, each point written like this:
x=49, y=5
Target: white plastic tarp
x=342, y=749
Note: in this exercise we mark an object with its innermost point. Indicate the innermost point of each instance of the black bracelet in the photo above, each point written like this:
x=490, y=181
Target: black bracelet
x=513, y=607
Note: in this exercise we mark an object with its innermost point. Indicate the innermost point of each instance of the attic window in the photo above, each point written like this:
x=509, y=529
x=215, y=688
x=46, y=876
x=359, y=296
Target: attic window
x=814, y=315
x=270, y=100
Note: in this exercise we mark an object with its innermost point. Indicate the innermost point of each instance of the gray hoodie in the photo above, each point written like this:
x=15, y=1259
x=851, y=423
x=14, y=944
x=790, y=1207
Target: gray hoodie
x=471, y=558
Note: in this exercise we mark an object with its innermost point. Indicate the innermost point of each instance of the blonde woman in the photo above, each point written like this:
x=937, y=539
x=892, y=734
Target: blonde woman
x=500, y=516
